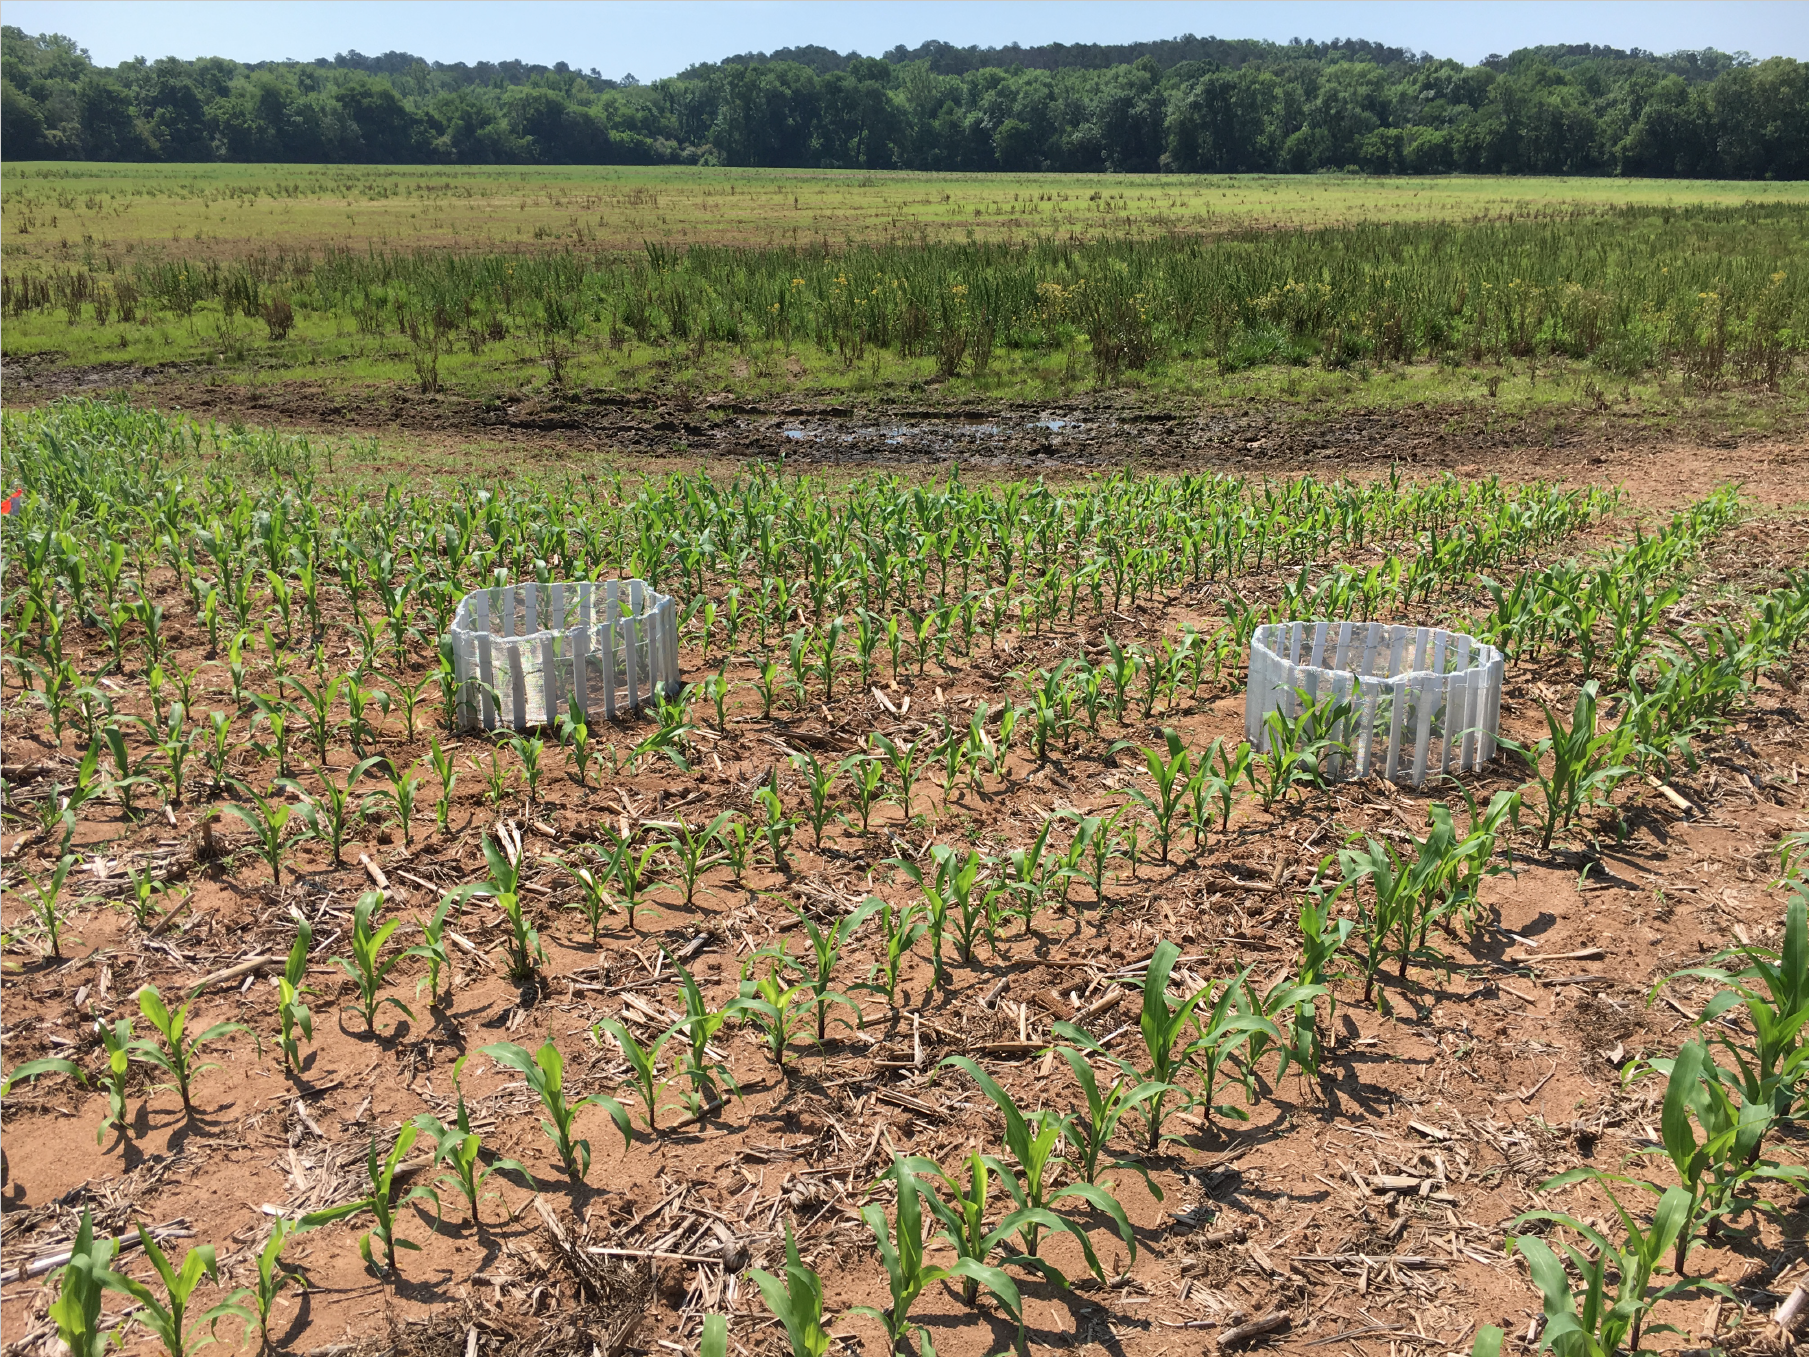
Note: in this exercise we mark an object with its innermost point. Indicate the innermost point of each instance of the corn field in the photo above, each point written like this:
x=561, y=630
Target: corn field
x=215, y=627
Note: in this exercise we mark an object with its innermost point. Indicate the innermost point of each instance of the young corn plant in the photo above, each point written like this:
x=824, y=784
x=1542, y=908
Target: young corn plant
x=381, y=1202
x=866, y=783
x=691, y=849
x=460, y=1149
x=1584, y=765
x=968, y=1218
x=178, y=1054
x=443, y=770
x=291, y=1012
x=778, y=1009
x=818, y=782
x=528, y=750
x=1034, y=1140
x=45, y=905
x=1032, y=875
x=268, y=818
x=775, y=827
x=1300, y=751
x=796, y=1301
x=366, y=970
x=643, y=1063
x=702, y=1064
x=76, y=1311
x=273, y=1278
x=1091, y=1131
x=116, y=1041
x=628, y=870
x=901, y=1250
x=545, y=1073
x=826, y=946
x=432, y=949
x=522, y=945
x=900, y=931
x=167, y=1318
x=1770, y=1062
x=1171, y=776
x=1321, y=939
x=328, y=815
x=574, y=734
x=1404, y=901
x=1595, y=1322
x=902, y=760
x=1168, y=1050
x=594, y=897
x=399, y=796
x=953, y=882
x=36, y=1069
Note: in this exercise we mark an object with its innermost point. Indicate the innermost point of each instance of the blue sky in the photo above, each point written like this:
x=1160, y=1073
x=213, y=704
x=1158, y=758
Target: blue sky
x=653, y=38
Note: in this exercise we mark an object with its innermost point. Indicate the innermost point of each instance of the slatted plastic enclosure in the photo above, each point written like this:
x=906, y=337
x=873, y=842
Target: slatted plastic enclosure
x=533, y=647
x=1421, y=699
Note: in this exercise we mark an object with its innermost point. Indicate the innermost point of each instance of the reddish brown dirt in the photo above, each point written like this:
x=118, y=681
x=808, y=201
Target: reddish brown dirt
x=1482, y=1077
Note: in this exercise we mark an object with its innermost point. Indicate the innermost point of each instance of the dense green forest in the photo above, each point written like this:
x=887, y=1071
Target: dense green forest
x=1186, y=105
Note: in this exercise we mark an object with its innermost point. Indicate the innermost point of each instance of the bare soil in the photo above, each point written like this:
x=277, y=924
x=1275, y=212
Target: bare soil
x=1482, y=1079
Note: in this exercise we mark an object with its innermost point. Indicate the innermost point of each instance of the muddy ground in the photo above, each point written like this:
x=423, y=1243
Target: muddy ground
x=1099, y=431
x=1369, y=1208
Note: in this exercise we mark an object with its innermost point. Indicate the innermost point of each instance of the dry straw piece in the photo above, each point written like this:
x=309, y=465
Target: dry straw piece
x=531, y=648
x=1423, y=698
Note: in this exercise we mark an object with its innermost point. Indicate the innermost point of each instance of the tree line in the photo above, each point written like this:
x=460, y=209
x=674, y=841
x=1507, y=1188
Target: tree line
x=1187, y=105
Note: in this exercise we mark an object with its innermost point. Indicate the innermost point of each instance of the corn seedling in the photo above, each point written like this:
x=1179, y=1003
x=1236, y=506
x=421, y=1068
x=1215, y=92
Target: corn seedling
x=442, y=769
x=267, y=818
x=44, y=903
x=628, y=870
x=594, y=898
x=328, y=814
x=866, y=781
x=80, y=1282
x=825, y=954
x=775, y=827
x=1582, y=767
x=545, y=1073
x=900, y=930
x=796, y=1301
x=643, y=1063
x=1034, y=1140
x=691, y=850
x=167, y=1318
x=902, y=761
x=702, y=1065
x=901, y=1250
x=1594, y=1322
x=178, y=1053
x=400, y=796
x=381, y=1202
x=528, y=750
x=1091, y=1131
x=460, y=1148
x=818, y=781
x=772, y=1005
x=36, y=1069
x=291, y=1012
x=366, y=971
x=523, y=943
x=273, y=1278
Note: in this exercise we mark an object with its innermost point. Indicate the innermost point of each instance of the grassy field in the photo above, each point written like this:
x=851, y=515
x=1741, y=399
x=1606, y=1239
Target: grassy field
x=108, y=214
x=763, y=285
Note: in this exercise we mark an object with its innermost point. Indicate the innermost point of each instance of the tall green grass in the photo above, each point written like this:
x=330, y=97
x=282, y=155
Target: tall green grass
x=1719, y=292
